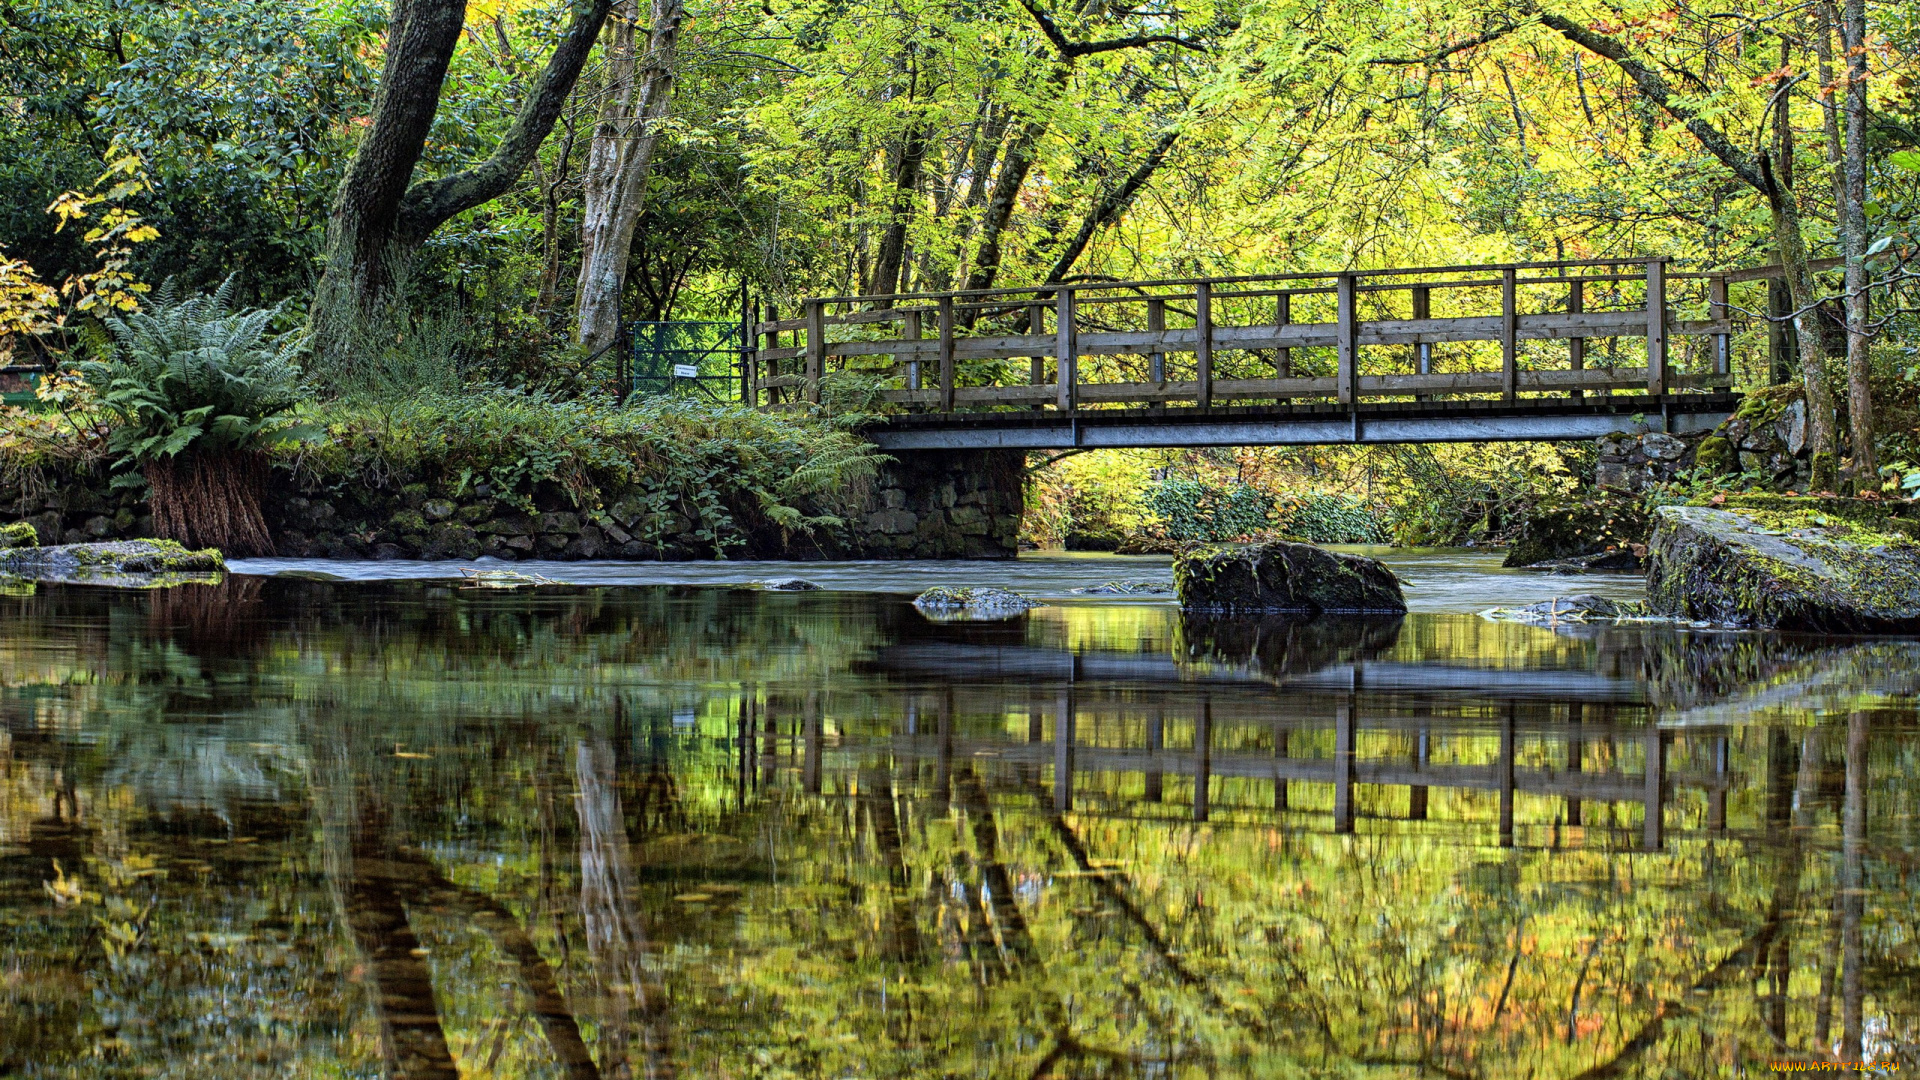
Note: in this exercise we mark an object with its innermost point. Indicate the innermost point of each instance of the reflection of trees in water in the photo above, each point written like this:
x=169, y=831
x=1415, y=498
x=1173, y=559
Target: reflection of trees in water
x=929, y=911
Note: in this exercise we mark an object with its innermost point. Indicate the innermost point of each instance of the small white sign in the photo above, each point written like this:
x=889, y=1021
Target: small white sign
x=685, y=371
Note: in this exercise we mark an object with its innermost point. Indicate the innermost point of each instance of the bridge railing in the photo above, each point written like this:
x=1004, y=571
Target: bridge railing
x=1503, y=331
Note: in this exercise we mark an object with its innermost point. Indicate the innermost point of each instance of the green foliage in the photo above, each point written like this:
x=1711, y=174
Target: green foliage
x=240, y=110
x=1332, y=519
x=1191, y=509
x=191, y=374
x=723, y=466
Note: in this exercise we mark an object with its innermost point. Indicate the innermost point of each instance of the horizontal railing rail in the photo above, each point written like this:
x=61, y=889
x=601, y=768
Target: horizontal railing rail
x=1429, y=333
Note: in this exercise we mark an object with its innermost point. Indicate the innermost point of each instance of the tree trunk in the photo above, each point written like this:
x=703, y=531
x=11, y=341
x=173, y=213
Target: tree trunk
x=618, y=161
x=906, y=186
x=1854, y=237
x=978, y=162
x=1806, y=324
x=211, y=500
x=380, y=217
x=1006, y=192
x=550, y=225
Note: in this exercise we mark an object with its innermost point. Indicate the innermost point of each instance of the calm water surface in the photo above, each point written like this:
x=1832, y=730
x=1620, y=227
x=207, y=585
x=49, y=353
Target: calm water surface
x=280, y=827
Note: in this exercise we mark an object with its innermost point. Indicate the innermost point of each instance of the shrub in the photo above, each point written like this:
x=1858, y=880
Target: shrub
x=723, y=466
x=1332, y=519
x=1189, y=509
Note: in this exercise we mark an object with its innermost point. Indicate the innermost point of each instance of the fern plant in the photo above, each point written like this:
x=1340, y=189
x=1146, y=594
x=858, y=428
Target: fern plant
x=196, y=393
x=190, y=374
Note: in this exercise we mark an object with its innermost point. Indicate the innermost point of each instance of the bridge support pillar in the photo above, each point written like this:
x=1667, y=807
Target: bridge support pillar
x=945, y=504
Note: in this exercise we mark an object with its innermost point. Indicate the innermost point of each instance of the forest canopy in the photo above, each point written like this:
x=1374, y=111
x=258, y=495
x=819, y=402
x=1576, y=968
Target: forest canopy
x=454, y=194
x=810, y=148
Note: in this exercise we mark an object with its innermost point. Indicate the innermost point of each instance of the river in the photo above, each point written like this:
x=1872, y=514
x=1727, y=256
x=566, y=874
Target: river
x=650, y=823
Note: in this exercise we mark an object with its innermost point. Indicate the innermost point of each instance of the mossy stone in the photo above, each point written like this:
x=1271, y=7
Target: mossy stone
x=1285, y=577
x=1787, y=570
x=20, y=534
x=1717, y=456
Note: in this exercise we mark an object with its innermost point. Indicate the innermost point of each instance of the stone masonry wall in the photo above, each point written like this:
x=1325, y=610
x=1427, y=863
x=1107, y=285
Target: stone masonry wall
x=959, y=505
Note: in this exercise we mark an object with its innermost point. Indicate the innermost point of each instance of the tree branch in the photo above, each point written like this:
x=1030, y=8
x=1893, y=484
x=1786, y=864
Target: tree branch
x=1111, y=207
x=430, y=203
x=1655, y=88
x=1459, y=46
x=1072, y=50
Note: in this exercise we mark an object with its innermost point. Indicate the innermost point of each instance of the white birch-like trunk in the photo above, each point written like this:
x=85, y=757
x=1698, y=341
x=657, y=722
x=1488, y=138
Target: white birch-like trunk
x=609, y=895
x=637, y=90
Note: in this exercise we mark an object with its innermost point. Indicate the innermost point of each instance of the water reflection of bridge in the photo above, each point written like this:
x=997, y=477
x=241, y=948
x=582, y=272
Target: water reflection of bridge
x=1120, y=732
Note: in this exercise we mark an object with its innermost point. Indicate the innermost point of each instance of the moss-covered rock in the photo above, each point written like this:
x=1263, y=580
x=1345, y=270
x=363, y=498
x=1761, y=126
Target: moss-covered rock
x=20, y=534
x=1285, y=577
x=1599, y=533
x=1875, y=515
x=964, y=601
x=138, y=564
x=1717, y=456
x=1800, y=569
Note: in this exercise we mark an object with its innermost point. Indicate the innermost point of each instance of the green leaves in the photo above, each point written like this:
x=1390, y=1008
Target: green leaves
x=192, y=375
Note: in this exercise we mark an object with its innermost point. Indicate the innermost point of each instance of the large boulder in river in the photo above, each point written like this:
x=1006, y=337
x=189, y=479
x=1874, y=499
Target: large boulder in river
x=1282, y=576
x=1785, y=569
x=1603, y=532
x=126, y=563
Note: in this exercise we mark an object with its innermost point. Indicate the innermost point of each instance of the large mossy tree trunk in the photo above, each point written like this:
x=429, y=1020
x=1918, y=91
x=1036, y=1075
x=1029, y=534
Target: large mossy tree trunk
x=380, y=215
x=211, y=500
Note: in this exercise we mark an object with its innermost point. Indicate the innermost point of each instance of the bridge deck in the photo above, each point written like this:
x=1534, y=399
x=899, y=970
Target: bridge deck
x=1306, y=425
x=1403, y=355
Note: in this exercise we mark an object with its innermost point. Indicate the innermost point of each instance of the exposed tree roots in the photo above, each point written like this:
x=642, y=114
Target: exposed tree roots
x=211, y=500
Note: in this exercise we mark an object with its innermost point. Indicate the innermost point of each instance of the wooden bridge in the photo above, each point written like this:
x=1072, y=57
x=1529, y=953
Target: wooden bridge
x=1428, y=354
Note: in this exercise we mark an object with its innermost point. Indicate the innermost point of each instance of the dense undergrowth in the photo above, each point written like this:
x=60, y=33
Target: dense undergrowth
x=731, y=469
x=1414, y=495
x=512, y=445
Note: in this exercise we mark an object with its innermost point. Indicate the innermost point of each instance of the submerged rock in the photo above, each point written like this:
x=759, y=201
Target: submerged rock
x=1289, y=577
x=789, y=584
x=1579, y=609
x=984, y=602
x=1783, y=569
x=134, y=564
x=1128, y=588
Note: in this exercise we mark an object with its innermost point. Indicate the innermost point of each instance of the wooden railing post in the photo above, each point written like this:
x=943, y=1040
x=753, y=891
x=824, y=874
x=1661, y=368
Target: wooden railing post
x=749, y=346
x=1509, y=335
x=1203, y=341
x=1156, y=323
x=816, y=348
x=1717, y=311
x=912, y=333
x=1036, y=325
x=1067, y=345
x=1346, y=341
x=1577, y=346
x=1656, y=327
x=1283, y=356
x=946, y=353
x=1422, y=352
x=773, y=366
